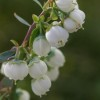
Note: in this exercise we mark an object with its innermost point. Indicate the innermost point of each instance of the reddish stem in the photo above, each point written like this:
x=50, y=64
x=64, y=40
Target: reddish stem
x=30, y=31
x=28, y=34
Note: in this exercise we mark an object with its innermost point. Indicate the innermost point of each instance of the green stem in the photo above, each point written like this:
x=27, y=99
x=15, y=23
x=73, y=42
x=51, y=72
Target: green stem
x=13, y=92
x=41, y=31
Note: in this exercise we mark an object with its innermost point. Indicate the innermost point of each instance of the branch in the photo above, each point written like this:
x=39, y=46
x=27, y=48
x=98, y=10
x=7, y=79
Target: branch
x=24, y=43
x=30, y=31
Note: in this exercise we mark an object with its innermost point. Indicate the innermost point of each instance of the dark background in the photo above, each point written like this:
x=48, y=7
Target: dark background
x=80, y=77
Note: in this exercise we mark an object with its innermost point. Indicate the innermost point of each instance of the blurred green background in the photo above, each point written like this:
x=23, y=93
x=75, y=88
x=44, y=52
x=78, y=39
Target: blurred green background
x=80, y=77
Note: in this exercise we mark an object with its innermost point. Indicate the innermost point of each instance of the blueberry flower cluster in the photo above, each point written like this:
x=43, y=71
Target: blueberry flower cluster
x=42, y=58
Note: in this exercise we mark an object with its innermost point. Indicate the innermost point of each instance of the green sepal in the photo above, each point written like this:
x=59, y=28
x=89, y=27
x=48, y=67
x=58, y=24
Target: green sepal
x=34, y=60
x=46, y=25
x=48, y=28
x=18, y=62
x=50, y=55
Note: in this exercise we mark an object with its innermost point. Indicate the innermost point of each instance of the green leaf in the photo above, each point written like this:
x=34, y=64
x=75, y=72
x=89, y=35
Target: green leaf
x=35, y=18
x=61, y=16
x=42, y=18
x=20, y=53
x=14, y=42
x=36, y=1
x=21, y=20
x=5, y=55
x=54, y=15
x=34, y=34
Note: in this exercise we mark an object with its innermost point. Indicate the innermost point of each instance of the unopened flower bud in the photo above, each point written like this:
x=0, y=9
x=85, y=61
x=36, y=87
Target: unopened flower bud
x=55, y=58
x=41, y=46
x=22, y=94
x=57, y=36
x=37, y=69
x=16, y=70
x=78, y=16
x=41, y=86
x=55, y=23
x=65, y=5
x=81, y=13
x=53, y=74
x=70, y=25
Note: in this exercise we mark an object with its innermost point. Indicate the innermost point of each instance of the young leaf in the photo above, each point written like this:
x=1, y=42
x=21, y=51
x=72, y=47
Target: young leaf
x=36, y=1
x=35, y=18
x=20, y=53
x=5, y=55
x=42, y=18
x=34, y=34
x=15, y=43
x=21, y=20
x=54, y=15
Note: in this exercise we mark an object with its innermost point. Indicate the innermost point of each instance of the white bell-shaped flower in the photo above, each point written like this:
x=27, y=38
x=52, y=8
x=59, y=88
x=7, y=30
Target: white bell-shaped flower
x=81, y=13
x=76, y=4
x=41, y=86
x=78, y=16
x=57, y=36
x=16, y=70
x=55, y=58
x=2, y=67
x=41, y=46
x=23, y=94
x=53, y=74
x=65, y=5
x=37, y=69
x=70, y=25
